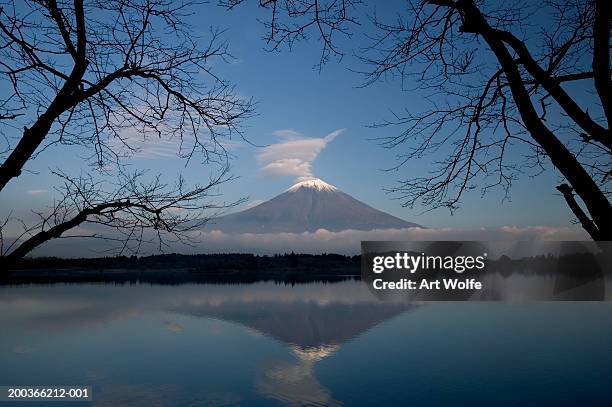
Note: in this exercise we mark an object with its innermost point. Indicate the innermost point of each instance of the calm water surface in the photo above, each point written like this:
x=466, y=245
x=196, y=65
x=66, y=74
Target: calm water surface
x=312, y=344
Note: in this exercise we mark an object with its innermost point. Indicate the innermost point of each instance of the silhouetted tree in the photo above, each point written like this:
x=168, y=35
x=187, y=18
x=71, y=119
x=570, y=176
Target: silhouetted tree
x=104, y=75
x=499, y=76
x=326, y=19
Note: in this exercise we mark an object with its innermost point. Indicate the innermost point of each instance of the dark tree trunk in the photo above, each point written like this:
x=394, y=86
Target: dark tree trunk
x=580, y=180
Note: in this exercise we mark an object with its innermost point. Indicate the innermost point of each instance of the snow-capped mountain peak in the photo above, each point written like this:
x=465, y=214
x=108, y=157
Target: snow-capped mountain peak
x=313, y=183
x=308, y=206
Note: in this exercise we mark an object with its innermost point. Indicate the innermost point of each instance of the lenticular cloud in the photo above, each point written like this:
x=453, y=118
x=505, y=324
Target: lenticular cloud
x=293, y=155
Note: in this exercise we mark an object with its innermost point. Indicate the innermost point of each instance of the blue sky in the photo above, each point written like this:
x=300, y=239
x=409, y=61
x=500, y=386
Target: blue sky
x=292, y=95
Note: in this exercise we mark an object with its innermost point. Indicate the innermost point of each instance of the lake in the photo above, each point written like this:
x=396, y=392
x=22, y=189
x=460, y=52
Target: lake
x=307, y=344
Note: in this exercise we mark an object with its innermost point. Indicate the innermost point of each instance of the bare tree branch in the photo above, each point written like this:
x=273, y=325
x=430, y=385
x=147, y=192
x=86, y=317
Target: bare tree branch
x=601, y=56
x=107, y=76
x=292, y=21
x=587, y=224
x=489, y=107
x=128, y=72
x=125, y=211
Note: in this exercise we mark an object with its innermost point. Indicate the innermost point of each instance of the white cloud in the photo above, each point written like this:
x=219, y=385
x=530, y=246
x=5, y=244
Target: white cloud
x=144, y=144
x=231, y=144
x=321, y=241
x=294, y=155
x=349, y=241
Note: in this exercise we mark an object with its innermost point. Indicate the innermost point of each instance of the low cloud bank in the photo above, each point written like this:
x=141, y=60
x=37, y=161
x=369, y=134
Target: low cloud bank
x=349, y=241
x=322, y=241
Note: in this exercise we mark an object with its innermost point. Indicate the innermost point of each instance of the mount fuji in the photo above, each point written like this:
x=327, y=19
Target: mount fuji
x=306, y=207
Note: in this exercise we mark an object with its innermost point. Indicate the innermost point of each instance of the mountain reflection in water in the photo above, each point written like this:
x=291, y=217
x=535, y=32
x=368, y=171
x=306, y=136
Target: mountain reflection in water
x=313, y=331
x=312, y=344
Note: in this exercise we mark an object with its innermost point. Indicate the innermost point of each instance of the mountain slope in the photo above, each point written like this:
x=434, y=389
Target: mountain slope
x=306, y=207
